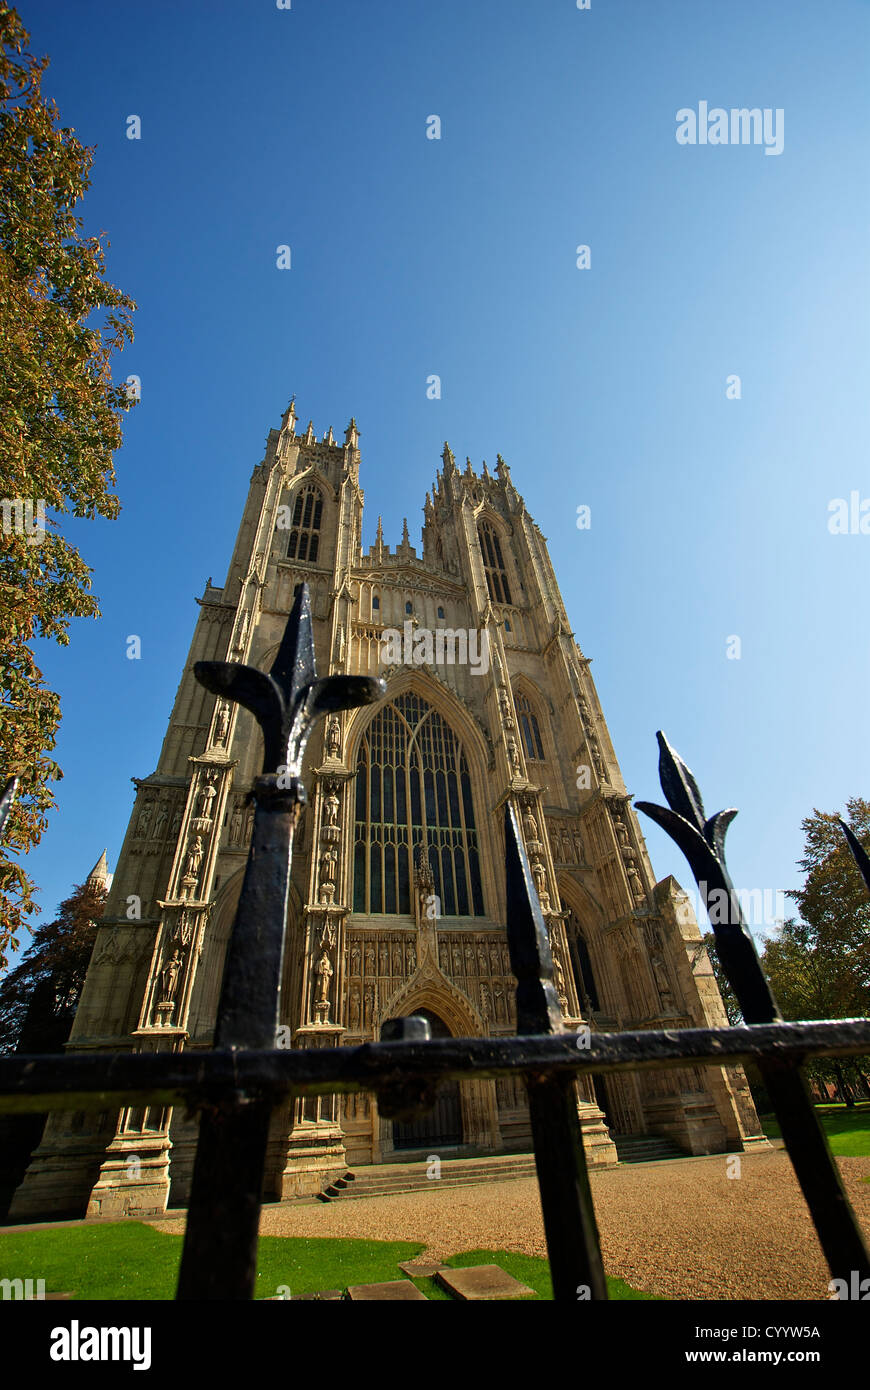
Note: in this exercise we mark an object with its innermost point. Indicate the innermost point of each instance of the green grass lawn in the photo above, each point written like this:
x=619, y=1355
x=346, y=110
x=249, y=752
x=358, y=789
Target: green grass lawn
x=848, y=1131
x=129, y=1260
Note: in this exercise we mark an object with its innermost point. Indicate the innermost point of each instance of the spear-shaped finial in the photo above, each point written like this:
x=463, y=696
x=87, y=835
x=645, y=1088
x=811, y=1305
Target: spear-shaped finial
x=288, y=700
x=703, y=843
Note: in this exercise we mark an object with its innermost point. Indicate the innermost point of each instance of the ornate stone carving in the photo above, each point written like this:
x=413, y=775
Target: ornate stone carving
x=324, y=974
x=222, y=725
x=333, y=738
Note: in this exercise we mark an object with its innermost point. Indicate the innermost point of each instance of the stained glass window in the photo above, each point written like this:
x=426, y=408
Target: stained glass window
x=413, y=788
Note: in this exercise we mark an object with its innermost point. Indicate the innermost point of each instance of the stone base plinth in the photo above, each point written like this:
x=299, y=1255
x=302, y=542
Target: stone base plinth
x=62, y=1171
x=598, y=1147
x=691, y=1120
x=315, y=1156
x=134, y=1178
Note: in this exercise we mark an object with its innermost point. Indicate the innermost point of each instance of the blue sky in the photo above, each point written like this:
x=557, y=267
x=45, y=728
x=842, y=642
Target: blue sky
x=605, y=387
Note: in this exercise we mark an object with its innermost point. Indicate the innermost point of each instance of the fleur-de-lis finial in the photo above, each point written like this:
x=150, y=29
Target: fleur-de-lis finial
x=702, y=841
x=288, y=700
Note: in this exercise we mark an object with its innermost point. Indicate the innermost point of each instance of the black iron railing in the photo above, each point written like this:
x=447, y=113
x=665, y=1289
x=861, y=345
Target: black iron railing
x=236, y=1086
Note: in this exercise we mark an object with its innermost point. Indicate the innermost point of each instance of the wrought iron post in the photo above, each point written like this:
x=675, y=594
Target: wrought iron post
x=566, y=1198
x=703, y=843
x=219, y=1259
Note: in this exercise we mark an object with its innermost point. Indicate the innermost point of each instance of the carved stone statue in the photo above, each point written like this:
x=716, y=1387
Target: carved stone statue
x=194, y=859
x=160, y=821
x=330, y=809
x=635, y=883
x=144, y=820
x=333, y=738
x=206, y=797
x=222, y=727
x=169, y=976
x=325, y=973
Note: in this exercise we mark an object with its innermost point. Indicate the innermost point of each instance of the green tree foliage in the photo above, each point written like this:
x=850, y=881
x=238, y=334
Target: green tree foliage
x=819, y=965
x=38, y=998
x=60, y=422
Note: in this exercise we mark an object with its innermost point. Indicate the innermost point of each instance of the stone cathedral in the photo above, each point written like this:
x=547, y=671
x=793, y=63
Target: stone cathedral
x=398, y=886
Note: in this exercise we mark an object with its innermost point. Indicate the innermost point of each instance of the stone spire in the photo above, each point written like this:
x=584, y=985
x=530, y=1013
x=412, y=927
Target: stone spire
x=449, y=460
x=100, y=872
x=406, y=539
x=379, y=540
x=288, y=419
x=351, y=434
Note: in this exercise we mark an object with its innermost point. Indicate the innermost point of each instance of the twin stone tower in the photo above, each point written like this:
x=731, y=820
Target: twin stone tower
x=398, y=885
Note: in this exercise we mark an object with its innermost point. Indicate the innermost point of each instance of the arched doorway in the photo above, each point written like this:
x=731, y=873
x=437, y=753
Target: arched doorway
x=442, y=1125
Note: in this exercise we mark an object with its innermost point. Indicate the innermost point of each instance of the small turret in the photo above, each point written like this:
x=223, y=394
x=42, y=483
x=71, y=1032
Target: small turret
x=99, y=874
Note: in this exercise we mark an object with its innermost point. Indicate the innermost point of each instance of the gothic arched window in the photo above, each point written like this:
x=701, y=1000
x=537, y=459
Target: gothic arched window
x=530, y=730
x=305, y=532
x=581, y=965
x=413, y=789
x=493, y=563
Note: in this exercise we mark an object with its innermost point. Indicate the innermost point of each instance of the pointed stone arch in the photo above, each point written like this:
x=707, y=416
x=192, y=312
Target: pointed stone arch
x=475, y=746
x=430, y=989
x=433, y=990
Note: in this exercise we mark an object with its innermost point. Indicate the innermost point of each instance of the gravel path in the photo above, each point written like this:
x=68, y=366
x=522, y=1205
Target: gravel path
x=681, y=1229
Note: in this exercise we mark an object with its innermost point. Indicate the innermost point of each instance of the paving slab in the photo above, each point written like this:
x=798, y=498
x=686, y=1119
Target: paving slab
x=394, y=1291
x=477, y=1283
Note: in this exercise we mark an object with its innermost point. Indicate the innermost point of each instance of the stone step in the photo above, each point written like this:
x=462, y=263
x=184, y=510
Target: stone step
x=389, y=1179
x=385, y=1180
x=646, y=1148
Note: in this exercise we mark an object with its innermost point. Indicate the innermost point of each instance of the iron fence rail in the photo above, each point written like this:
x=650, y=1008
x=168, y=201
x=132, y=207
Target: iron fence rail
x=35, y=1084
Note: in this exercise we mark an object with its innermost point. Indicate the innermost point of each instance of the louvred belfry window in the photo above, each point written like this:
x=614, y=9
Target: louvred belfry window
x=305, y=525
x=493, y=563
x=413, y=788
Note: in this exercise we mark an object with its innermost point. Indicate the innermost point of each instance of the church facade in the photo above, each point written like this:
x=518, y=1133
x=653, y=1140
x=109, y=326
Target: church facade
x=398, y=892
